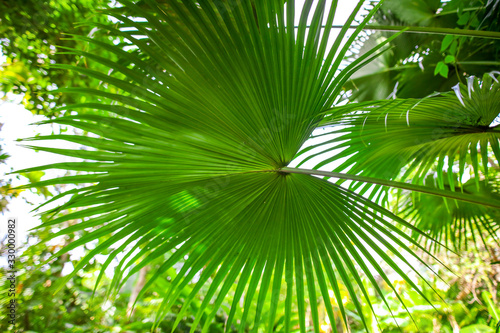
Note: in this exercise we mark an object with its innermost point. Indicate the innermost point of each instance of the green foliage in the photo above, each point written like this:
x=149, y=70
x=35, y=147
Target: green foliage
x=463, y=306
x=413, y=12
x=6, y=192
x=447, y=127
x=468, y=299
x=31, y=32
x=218, y=123
x=421, y=64
x=200, y=110
x=77, y=307
x=456, y=224
x=440, y=140
x=38, y=309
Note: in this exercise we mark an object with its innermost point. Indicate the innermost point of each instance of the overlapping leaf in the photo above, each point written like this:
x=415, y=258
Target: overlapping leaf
x=408, y=138
x=454, y=223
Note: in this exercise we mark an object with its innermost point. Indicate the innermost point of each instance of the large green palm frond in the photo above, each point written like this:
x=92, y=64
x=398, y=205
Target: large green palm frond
x=404, y=139
x=184, y=162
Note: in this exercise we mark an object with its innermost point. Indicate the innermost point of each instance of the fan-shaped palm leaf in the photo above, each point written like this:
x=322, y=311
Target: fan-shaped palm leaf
x=405, y=138
x=452, y=222
x=188, y=162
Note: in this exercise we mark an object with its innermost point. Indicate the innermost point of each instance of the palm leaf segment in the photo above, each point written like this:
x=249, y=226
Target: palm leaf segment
x=185, y=160
x=410, y=138
x=442, y=136
x=452, y=222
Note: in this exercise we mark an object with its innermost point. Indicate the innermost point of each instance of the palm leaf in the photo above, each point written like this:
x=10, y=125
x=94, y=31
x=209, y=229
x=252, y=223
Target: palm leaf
x=406, y=138
x=454, y=223
x=186, y=162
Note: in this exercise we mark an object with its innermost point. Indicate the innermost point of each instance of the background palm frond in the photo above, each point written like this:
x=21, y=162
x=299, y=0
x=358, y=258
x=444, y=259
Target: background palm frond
x=406, y=138
x=451, y=222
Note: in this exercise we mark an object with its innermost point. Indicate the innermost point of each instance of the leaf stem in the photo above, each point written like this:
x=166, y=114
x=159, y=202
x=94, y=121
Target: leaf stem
x=429, y=30
x=405, y=186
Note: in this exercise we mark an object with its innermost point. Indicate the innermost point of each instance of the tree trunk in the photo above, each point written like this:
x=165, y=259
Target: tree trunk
x=141, y=281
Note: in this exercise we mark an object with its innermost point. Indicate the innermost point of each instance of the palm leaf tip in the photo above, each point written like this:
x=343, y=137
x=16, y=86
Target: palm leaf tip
x=186, y=158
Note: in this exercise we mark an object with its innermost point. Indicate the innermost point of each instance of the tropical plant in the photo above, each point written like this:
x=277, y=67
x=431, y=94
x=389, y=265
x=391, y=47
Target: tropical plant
x=31, y=31
x=189, y=163
x=456, y=224
x=436, y=137
x=419, y=64
x=78, y=307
